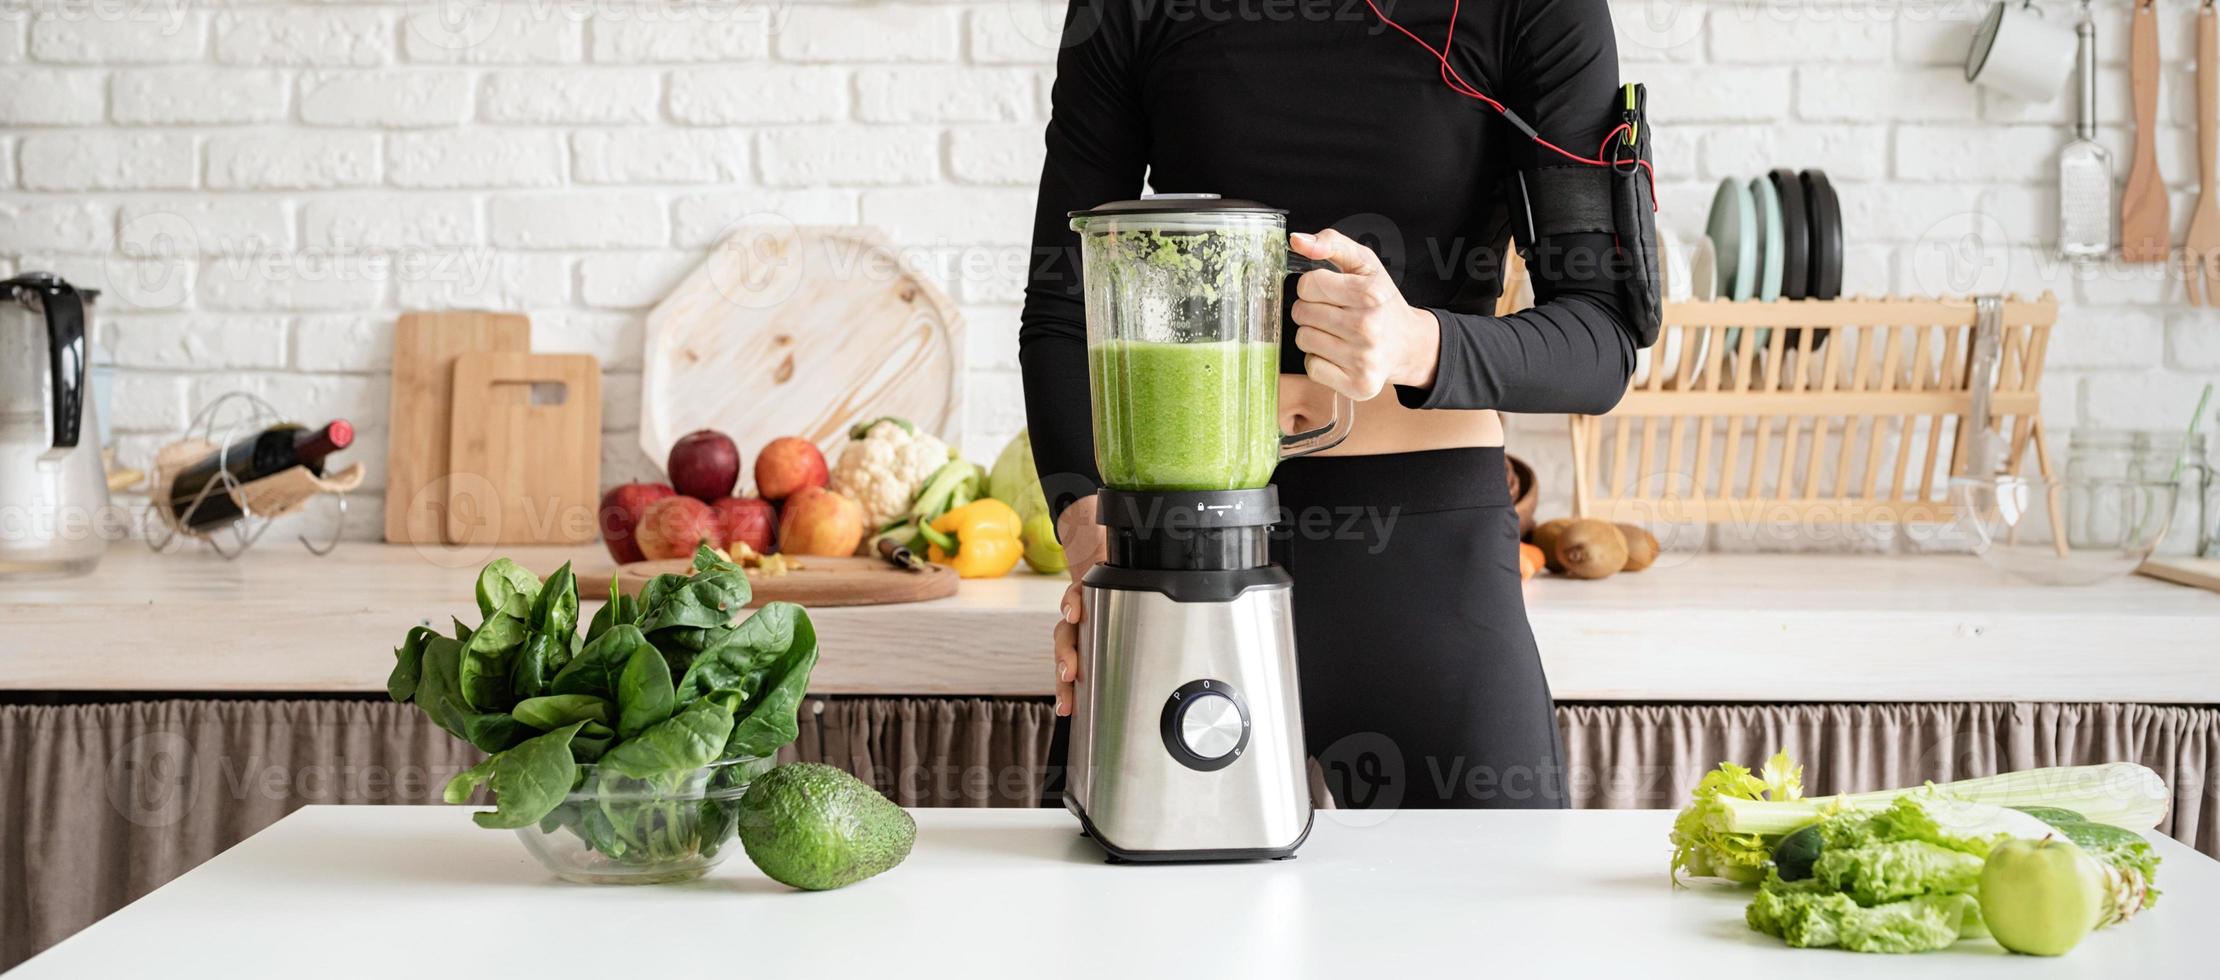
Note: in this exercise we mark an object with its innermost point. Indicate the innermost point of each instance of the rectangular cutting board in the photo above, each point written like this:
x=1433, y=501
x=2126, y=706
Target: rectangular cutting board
x=524, y=455
x=425, y=346
x=2200, y=573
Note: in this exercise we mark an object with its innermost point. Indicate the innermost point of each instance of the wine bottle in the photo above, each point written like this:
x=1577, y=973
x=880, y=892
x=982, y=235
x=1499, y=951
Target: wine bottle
x=270, y=451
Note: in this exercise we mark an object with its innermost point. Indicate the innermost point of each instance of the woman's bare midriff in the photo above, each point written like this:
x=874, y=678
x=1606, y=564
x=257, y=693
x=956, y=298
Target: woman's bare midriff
x=1383, y=424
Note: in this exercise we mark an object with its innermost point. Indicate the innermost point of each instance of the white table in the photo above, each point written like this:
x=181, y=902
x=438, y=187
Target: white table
x=408, y=891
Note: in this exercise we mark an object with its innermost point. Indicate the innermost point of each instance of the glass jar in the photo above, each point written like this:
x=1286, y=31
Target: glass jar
x=2139, y=456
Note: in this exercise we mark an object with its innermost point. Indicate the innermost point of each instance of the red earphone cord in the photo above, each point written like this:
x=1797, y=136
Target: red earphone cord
x=1456, y=83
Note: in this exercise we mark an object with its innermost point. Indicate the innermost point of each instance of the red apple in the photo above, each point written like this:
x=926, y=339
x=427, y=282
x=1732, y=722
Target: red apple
x=818, y=521
x=789, y=465
x=746, y=520
x=704, y=465
x=621, y=508
x=674, y=526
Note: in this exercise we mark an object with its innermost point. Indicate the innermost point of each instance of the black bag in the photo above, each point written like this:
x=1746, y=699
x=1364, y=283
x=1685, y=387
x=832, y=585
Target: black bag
x=1616, y=200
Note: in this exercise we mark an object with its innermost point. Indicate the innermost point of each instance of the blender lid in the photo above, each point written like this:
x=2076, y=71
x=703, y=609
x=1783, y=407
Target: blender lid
x=1177, y=204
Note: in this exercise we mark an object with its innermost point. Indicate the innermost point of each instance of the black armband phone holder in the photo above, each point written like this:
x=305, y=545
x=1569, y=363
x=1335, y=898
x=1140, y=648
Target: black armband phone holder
x=1616, y=199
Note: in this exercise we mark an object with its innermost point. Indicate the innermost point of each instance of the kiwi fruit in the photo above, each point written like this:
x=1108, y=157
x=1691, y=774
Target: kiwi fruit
x=1591, y=549
x=1545, y=538
x=1641, y=547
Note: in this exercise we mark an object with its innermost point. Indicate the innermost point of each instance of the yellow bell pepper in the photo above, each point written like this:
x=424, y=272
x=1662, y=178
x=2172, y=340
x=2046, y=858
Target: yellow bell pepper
x=980, y=539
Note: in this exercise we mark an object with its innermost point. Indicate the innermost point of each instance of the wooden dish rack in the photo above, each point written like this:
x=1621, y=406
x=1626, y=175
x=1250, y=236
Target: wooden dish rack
x=1854, y=410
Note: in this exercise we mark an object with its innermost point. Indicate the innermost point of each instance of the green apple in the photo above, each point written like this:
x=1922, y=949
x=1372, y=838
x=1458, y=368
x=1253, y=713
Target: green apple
x=2041, y=896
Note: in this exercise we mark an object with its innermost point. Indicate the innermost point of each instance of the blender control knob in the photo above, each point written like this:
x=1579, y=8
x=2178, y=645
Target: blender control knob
x=1206, y=725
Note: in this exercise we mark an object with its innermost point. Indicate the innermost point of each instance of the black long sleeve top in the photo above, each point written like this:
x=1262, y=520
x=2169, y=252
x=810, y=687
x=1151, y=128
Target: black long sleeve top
x=1317, y=107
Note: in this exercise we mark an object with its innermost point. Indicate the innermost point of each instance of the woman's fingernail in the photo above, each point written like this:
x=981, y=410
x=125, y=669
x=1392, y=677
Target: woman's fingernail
x=1063, y=673
x=1063, y=705
x=1302, y=238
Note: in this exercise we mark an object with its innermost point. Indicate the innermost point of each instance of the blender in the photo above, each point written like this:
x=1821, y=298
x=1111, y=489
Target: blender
x=1186, y=732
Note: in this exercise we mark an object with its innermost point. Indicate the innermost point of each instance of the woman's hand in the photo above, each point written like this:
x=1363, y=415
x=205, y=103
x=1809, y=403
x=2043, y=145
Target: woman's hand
x=1359, y=335
x=1082, y=539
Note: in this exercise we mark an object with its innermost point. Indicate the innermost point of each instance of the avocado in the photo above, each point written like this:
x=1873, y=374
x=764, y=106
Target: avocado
x=815, y=827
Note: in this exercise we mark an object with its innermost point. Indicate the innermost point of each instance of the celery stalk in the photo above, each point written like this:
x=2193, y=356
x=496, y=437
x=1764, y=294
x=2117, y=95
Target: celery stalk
x=2122, y=794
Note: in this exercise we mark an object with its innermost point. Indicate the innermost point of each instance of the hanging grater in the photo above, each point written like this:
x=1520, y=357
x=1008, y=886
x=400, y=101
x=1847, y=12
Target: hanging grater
x=2085, y=218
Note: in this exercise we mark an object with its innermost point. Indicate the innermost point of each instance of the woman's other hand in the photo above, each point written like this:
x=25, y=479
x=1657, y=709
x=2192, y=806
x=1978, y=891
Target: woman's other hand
x=1357, y=332
x=1082, y=539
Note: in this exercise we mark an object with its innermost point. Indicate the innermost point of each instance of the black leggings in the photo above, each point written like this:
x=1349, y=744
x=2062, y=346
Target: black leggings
x=1421, y=683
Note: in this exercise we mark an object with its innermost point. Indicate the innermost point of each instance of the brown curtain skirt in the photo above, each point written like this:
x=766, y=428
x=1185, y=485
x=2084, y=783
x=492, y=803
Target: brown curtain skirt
x=102, y=803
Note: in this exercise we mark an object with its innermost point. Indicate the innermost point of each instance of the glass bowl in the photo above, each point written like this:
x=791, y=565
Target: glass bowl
x=616, y=830
x=2065, y=532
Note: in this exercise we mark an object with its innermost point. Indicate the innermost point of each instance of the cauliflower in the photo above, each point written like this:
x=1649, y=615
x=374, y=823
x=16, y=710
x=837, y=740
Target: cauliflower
x=882, y=466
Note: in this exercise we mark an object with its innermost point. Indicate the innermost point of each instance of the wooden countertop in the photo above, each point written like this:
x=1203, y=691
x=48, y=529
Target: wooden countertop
x=382, y=891
x=1705, y=628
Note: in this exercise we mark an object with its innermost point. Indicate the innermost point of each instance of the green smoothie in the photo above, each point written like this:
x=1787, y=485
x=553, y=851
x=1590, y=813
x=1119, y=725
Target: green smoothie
x=1185, y=416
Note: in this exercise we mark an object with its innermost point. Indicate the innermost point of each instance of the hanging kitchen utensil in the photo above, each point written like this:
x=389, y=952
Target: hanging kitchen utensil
x=2145, y=232
x=2201, y=250
x=425, y=346
x=2016, y=52
x=2085, y=219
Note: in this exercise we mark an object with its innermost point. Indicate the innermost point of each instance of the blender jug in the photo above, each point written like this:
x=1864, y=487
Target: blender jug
x=1183, y=342
x=53, y=485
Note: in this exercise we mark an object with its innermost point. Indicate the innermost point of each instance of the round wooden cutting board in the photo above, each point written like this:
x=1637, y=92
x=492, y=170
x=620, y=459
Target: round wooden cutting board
x=819, y=582
x=799, y=331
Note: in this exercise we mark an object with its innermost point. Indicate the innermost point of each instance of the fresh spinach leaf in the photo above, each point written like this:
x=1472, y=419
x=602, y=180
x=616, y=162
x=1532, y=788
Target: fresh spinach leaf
x=488, y=658
x=529, y=781
x=600, y=833
x=493, y=732
x=596, y=668
x=555, y=610
x=706, y=559
x=709, y=599
x=588, y=747
x=688, y=740
x=553, y=711
x=619, y=610
x=655, y=593
x=531, y=673
x=775, y=688
x=499, y=585
x=408, y=664
x=736, y=661
x=643, y=692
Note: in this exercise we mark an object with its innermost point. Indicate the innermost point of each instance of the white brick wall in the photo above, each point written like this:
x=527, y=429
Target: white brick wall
x=264, y=186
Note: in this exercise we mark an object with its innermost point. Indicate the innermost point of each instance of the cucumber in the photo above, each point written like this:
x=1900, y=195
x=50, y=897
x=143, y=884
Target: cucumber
x=1797, y=852
x=2056, y=816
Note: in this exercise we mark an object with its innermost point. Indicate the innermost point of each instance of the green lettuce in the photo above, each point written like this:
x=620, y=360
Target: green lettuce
x=1879, y=873
x=1809, y=914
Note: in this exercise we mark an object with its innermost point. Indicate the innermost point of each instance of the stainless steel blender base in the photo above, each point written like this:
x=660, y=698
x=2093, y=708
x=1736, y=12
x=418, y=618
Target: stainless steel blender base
x=1186, y=735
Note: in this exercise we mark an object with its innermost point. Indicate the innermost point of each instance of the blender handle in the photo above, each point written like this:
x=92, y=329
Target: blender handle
x=1345, y=411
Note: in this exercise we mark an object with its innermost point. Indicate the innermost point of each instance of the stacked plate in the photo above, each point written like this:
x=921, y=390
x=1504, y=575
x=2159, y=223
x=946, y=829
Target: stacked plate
x=1778, y=236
